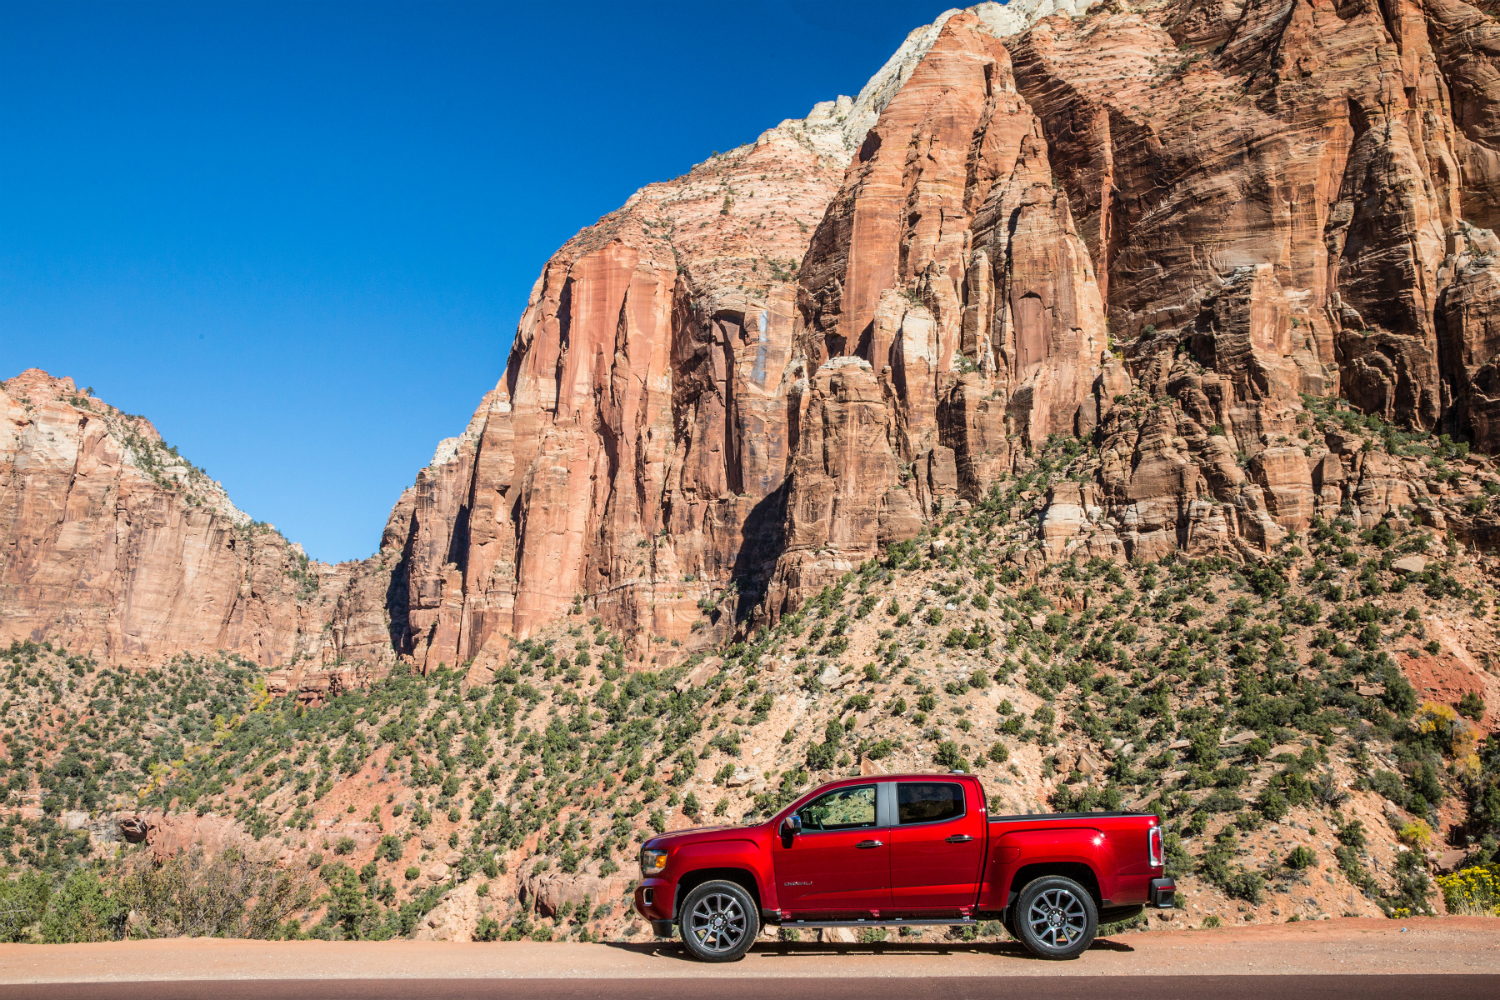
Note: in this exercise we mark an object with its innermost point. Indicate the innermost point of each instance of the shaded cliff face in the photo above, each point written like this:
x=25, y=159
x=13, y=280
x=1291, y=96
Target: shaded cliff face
x=117, y=547
x=949, y=262
x=1167, y=231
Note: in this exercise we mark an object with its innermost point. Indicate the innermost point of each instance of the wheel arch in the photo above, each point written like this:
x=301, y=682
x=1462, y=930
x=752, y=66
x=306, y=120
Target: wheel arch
x=1078, y=871
x=693, y=879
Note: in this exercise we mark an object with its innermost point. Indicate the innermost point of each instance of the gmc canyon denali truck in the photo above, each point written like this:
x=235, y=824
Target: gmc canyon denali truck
x=903, y=850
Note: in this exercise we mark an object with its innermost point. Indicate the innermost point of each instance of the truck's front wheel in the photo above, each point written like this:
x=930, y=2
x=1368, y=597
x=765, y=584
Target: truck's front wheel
x=1056, y=917
x=718, y=922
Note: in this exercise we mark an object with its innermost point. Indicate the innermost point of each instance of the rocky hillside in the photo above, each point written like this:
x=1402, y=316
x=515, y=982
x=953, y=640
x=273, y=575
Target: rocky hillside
x=1313, y=729
x=1101, y=398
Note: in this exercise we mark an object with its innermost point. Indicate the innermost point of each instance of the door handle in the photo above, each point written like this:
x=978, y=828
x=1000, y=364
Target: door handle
x=869, y=843
x=960, y=838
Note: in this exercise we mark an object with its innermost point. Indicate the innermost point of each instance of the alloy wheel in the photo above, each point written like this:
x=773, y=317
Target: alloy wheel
x=1057, y=918
x=717, y=923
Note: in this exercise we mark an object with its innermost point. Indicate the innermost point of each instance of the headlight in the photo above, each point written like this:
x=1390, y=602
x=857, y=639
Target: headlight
x=652, y=861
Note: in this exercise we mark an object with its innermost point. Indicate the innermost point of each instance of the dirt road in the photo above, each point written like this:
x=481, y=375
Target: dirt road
x=1452, y=945
x=1458, y=987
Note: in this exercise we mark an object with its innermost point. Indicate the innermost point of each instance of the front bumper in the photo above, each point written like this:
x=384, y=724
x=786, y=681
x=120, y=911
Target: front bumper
x=653, y=900
x=1163, y=893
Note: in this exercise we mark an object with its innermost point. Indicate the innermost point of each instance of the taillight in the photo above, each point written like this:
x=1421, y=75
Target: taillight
x=1154, y=847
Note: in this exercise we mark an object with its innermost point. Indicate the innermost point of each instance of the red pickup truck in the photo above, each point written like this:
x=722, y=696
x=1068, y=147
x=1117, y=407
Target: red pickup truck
x=903, y=850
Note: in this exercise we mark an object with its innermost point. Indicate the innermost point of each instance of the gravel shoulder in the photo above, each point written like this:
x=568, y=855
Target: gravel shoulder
x=1332, y=947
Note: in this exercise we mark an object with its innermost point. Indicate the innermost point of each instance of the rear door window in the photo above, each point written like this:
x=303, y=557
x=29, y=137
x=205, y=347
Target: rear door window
x=928, y=801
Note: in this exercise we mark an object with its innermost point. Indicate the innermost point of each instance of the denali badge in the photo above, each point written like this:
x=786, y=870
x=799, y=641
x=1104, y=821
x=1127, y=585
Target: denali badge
x=796, y=883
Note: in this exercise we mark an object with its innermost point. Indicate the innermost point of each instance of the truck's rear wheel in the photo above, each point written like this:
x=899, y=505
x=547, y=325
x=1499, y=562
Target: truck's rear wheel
x=1056, y=917
x=718, y=922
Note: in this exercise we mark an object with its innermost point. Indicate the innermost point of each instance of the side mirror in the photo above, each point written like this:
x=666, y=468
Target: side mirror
x=792, y=824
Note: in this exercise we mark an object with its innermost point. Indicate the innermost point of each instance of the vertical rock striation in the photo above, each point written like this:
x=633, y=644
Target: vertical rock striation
x=633, y=454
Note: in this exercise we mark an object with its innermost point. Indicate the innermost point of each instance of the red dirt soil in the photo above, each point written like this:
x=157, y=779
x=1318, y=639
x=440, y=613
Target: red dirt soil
x=1334, y=947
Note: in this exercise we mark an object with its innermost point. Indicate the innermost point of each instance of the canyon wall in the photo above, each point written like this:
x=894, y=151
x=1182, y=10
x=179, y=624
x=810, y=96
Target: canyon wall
x=114, y=546
x=1163, y=230
x=1156, y=227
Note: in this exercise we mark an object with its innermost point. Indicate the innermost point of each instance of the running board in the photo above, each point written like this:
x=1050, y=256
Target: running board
x=892, y=922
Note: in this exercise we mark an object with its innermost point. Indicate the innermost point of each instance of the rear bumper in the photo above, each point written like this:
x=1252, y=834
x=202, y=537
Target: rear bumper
x=1163, y=893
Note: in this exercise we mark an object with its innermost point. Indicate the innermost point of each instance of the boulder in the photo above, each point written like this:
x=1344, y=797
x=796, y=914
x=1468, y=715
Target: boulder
x=548, y=891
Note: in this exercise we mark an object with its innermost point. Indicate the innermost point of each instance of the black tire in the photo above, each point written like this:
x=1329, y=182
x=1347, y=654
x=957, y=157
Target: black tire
x=718, y=922
x=1056, y=917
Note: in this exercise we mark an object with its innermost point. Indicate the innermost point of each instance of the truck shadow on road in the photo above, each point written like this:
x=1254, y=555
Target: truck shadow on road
x=815, y=949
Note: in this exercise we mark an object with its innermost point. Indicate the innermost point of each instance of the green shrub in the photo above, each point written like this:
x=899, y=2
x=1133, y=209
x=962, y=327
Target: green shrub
x=1412, y=889
x=389, y=849
x=948, y=757
x=1389, y=786
x=1221, y=800
x=24, y=901
x=82, y=911
x=1272, y=804
x=1246, y=885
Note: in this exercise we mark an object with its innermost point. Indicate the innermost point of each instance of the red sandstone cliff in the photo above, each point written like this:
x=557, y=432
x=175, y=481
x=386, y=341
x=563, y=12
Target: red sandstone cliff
x=1153, y=226
x=1158, y=227
x=116, y=547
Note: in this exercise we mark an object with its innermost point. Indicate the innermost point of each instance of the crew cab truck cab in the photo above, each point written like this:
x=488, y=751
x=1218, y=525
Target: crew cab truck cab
x=903, y=850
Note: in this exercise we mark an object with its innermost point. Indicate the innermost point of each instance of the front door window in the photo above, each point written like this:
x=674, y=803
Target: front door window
x=840, y=809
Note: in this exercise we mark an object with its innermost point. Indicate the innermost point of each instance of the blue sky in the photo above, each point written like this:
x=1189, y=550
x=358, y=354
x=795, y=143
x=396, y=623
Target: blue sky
x=298, y=236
